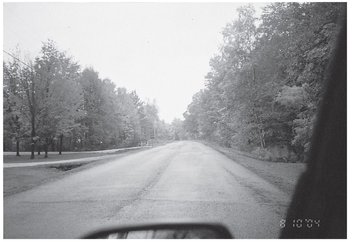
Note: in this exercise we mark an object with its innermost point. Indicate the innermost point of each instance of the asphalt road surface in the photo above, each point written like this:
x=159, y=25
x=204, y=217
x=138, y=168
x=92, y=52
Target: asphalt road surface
x=180, y=181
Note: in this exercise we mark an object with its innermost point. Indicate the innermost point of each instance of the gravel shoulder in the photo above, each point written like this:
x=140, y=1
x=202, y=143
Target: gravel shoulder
x=282, y=175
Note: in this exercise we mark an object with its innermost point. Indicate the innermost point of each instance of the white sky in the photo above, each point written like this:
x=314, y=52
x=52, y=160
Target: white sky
x=161, y=50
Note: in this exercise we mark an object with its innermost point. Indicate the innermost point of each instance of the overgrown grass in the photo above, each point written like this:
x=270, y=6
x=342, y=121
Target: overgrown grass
x=281, y=174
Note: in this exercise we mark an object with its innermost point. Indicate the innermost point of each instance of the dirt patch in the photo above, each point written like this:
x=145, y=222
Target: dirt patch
x=66, y=167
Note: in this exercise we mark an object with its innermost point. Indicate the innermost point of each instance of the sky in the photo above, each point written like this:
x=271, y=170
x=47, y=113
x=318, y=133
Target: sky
x=161, y=50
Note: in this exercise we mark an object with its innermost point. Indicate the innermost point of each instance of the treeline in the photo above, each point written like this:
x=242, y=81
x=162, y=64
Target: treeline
x=52, y=104
x=265, y=85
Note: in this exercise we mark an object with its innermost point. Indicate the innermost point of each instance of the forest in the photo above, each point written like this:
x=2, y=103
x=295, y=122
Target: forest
x=261, y=94
x=51, y=104
x=264, y=86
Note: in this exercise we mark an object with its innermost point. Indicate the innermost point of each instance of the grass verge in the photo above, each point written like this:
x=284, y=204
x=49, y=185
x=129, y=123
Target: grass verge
x=281, y=174
x=25, y=178
x=55, y=157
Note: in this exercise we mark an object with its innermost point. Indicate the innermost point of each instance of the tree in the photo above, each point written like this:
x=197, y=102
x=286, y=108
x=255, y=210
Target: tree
x=178, y=129
x=128, y=116
x=15, y=119
x=59, y=96
x=53, y=100
x=93, y=114
x=265, y=68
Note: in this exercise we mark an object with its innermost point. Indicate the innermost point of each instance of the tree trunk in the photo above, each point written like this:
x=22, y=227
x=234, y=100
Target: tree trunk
x=60, y=147
x=253, y=74
x=262, y=138
x=31, y=101
x=17, y=147
x=33, y=135
x=32, y=148
x=46, y=148
x=53, y=148
x=70, y=144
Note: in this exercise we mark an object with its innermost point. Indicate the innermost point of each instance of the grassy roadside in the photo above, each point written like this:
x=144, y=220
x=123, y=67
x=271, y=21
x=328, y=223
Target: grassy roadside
x=281, y=174
x=52, y=157
x=24, y=178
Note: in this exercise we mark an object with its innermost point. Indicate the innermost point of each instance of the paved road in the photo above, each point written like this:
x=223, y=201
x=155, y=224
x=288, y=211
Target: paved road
x=179, y=181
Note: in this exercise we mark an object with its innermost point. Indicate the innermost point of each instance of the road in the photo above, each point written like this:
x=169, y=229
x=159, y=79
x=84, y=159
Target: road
x=179, y=181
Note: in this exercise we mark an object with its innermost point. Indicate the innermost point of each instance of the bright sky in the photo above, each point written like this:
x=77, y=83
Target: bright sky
x=161, y=50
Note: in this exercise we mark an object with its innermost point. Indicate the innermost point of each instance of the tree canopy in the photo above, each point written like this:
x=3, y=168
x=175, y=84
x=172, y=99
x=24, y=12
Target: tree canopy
x=265, y=84
x=51, y=103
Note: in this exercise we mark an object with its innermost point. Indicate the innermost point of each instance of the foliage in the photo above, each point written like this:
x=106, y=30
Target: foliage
x=265, y=85
x=54, y=101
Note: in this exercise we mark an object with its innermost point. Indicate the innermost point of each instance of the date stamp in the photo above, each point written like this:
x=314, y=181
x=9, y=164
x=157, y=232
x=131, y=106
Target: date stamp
x=300, y=223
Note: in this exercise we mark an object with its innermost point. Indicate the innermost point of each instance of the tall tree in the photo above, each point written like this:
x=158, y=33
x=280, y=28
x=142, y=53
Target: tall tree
x=265, y=84
x=14, y=104
x=58, y=94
